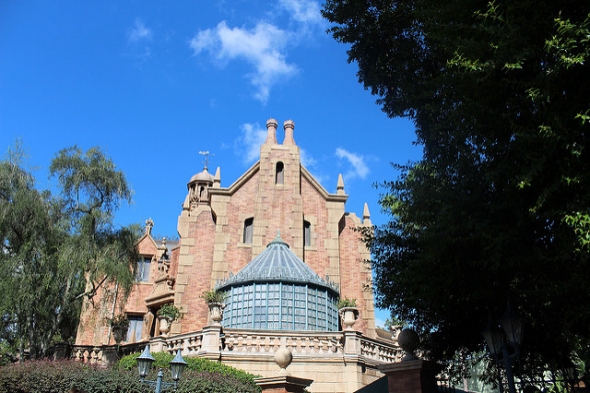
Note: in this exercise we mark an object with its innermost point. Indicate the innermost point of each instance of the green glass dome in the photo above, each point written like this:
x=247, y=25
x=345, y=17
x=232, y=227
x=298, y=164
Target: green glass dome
x=278, y=291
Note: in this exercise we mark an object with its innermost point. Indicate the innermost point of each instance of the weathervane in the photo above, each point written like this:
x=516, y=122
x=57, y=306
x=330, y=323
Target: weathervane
x=206, y=154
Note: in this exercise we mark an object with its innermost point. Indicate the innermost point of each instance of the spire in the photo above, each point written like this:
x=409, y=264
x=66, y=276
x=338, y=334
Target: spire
x=289, y=127
x=340, y=185
x=366, y=214
x=217, y=178
x=271, y=127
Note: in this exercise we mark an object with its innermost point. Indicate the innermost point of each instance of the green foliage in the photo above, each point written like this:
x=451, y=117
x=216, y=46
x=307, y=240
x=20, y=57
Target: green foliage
x=214, y=296
x=498, y=207
x=51, y=245
x=346, y=302
x=170, y=311
x=92, y=190
x=61, y=376
x=203, y=375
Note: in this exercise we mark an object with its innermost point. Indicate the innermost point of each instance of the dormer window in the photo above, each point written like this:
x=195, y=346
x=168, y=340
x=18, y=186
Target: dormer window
x=248, y=230
x=280, y=173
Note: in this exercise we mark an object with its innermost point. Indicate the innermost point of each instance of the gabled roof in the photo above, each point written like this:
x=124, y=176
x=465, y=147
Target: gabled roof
x=256, y=168
x=277, y=263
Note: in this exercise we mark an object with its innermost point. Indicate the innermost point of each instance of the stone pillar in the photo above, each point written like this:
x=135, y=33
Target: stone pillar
x=211, y=342
x=157, y=344
x=352, y=344
x=61, y=351
x=110, y=356
x=283, y=384
x=410, y=376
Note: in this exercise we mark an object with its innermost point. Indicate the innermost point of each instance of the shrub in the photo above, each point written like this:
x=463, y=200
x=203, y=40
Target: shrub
x=43, y=376
x=199, y=372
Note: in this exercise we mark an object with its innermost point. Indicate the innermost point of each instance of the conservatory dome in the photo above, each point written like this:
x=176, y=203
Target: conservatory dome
x=278, y=291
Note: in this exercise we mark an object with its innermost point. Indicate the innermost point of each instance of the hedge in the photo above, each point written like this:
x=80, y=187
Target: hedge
x=67, y=376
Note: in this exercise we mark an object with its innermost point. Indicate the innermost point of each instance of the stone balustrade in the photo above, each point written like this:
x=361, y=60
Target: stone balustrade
x=88, y=354
x=381, y=352
x=188, y=343
x=300, y=343
x=231, y=342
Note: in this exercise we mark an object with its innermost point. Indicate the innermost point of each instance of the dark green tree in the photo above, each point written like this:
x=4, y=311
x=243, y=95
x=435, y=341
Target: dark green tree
x=499, y=205
x=57, y=251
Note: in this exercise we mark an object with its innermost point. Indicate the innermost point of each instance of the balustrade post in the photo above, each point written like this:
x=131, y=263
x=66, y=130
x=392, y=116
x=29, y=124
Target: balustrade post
x=211, y=345
x=352, y=343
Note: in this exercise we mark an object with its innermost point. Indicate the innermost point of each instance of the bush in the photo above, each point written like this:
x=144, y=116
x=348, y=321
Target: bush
x=43, y=376
x=202, y=375
x=64, y=376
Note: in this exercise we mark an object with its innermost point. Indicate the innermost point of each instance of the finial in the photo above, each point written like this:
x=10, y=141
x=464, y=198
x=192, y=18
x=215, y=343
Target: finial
x=149, y=224
x=340, y=185
x=366, y=214
x=217, y=178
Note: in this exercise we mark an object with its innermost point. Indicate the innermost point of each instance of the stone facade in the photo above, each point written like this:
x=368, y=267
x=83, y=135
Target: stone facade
x=220, y=231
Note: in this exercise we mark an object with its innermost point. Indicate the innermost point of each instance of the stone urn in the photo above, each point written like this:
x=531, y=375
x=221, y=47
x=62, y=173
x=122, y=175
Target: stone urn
x=119, y=333
x=348, y=317
x=216, y=312
x=164, y=325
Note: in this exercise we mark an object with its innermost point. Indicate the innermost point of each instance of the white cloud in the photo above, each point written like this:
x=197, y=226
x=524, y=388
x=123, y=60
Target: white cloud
x=303, y=11
x=359, y=168
x=248, y=145
x=261, y=46
x=138, y=32
x=307, y=160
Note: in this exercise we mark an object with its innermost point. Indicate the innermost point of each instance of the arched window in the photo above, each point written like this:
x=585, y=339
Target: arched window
x=280, y=173
x=248, y=230
x=306, y=233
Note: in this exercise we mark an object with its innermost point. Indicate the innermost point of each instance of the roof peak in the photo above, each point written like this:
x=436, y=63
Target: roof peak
x=277, y=263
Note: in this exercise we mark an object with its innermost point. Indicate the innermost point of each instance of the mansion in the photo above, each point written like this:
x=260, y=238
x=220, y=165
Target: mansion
x=283, y=251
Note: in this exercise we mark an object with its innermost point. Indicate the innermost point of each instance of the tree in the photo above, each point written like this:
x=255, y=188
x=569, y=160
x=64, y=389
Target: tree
x=499, y=206
x=57, y=251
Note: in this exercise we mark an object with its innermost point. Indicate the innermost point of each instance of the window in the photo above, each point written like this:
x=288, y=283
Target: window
x=280, y=173
x=306, y=233
x=248, y=230
x=135, y=328
x=143, y=268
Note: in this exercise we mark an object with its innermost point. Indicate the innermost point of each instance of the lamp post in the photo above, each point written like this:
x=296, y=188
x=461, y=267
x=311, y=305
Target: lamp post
x=508, y=331
x=144, y=362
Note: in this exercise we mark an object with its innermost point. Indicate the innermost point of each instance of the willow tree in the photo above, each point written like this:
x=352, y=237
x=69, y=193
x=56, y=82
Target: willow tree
x=57, y=251
x=498, y=207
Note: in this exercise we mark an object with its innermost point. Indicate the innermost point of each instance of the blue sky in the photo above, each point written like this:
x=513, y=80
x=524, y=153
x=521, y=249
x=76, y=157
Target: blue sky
x=153, y=83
